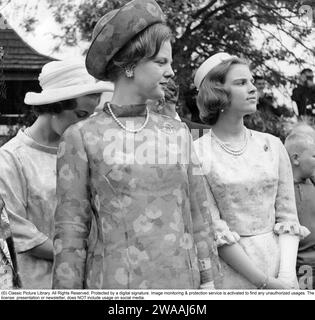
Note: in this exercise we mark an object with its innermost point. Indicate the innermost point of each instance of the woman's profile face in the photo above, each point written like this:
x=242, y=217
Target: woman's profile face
x=243, y=94
x=151, y=76
x=85, y=107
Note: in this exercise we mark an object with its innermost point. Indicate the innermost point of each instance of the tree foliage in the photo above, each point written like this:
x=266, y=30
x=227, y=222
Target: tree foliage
x=204, y=27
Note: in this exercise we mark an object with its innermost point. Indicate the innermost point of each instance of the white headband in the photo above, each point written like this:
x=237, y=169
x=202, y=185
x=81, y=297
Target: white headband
x=208, y=65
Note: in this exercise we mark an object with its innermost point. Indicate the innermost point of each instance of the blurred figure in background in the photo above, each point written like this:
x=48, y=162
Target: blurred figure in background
x=304, y=94
x=266, y=118
x=301, y=150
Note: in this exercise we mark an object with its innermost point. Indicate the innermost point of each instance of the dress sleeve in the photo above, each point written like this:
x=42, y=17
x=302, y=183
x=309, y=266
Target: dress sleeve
x=73, y=212
x=285, y=206
x=223, y=234
x=202, y=224
x=13, y=189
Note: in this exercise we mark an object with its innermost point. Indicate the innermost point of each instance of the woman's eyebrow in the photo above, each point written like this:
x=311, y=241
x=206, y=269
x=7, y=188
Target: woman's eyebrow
x=164, y=59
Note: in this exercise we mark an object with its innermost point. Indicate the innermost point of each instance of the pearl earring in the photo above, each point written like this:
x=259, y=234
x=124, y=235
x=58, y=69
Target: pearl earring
x=222, y=110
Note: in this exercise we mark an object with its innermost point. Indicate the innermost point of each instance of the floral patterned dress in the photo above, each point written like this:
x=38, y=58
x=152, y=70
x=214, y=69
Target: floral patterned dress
x=255, y=197
x=145, y=211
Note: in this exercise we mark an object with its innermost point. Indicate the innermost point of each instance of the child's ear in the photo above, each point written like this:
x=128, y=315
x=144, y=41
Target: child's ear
x=295, y=159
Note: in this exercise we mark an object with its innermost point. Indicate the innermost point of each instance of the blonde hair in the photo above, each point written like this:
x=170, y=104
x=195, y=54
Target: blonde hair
x=303, y=128
x=297, y=143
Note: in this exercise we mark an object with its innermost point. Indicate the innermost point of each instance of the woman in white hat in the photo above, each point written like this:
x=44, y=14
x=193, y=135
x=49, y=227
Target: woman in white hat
x=128, y=170
x=28, y=163
x=249, y=175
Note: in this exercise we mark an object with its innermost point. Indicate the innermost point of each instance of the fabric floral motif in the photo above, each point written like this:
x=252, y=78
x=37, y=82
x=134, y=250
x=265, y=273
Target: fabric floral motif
x=186, y=241
x=66, y=173
x=57, y=246
x=153, y=10
x=142, y=224
x=179, y=196
x=81, y=253
x=121, y=276
x=145, y=234
x=135, y=256
x=105, y=35
x=144, y=285
x=171, y=237
x=116, y=174
x=153, y=213
x=106, y=227
x=141, y=24
x=61, y=150
x=121, y=203
x=177, y=218
x=133, y=183
x=90, y=138
x=65, y=272
x=82, y=156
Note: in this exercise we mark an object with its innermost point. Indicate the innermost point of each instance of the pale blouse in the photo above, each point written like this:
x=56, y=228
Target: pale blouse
x=28, y=187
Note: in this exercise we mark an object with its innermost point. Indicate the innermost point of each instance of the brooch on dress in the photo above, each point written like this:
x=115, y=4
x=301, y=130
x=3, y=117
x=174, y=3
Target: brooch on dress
x=168, y=128
x=266, y=148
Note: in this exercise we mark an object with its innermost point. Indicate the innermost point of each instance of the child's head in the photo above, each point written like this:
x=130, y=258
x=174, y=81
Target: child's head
x=301, y=150
x=303, y=128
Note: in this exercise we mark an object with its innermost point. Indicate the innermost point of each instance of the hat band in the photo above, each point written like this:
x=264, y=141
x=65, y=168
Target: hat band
x=76, y=79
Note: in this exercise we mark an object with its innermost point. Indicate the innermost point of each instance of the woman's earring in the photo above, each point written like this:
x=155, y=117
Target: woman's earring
x=222, y=110
x=129, y=72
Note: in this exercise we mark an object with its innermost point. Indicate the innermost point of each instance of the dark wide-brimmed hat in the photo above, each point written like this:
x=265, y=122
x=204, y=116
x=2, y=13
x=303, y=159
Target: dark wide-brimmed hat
x=115, y=29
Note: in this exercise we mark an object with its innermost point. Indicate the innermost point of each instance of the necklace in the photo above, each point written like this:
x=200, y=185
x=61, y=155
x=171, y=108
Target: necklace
x=123, y=126
x=226, y=148
x=28, y=133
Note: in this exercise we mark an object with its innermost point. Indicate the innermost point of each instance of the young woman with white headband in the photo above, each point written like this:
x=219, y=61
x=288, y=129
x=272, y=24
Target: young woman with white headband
x=28, y=164
x=249, y=176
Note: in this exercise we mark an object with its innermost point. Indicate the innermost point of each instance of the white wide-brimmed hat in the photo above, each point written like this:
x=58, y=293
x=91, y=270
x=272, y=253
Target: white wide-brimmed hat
x=208, y=65
x=63, y=80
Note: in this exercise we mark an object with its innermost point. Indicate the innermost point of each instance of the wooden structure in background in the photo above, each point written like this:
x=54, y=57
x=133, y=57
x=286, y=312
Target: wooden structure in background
x=21, y=66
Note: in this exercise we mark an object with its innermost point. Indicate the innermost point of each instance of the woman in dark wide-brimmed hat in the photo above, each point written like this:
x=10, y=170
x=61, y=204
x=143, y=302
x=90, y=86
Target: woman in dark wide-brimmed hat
x=124, y=173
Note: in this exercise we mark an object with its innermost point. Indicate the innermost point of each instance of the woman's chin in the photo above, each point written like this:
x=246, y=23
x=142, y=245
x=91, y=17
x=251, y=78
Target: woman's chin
x=251, y=110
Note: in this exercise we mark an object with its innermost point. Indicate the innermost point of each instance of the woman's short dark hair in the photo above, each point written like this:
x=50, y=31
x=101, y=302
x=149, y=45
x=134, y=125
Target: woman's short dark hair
x=56, y=107
x=212, y=97
x=146, y=44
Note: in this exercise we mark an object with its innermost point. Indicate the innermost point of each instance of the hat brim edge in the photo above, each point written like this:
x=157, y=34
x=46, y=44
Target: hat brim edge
x=72, y=92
